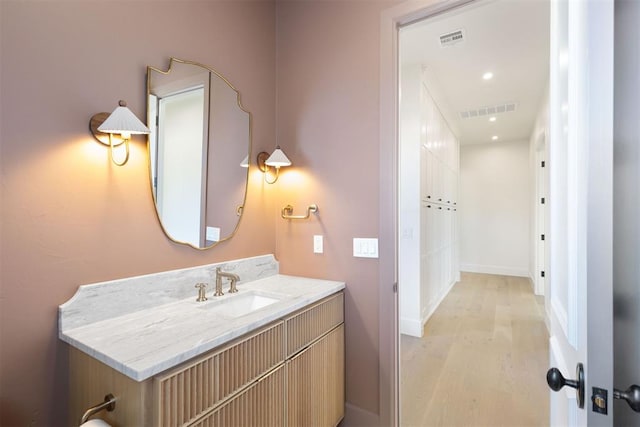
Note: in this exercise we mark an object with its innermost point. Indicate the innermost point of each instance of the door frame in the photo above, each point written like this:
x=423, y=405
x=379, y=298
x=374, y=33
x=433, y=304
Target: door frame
x=390, y=22
x=598, y=247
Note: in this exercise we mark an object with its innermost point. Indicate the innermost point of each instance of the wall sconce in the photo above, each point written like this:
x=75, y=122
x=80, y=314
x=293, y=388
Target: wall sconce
x=277, y=159
x=121, y=121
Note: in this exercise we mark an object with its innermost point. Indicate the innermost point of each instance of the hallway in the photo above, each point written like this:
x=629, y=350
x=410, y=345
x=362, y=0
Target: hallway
x=482, y=360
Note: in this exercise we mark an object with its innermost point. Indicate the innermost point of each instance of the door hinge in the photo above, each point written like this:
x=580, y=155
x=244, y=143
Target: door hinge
x=542, y=200
x=542, y=237
x=542, y=164
x=395, y=288
x=542, y=274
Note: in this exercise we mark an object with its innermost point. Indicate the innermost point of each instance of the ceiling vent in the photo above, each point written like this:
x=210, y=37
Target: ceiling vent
x=488, y=110
x=452, y=38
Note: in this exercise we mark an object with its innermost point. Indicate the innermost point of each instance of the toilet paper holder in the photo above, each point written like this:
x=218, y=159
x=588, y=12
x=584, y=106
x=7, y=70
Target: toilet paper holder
x=109, y=404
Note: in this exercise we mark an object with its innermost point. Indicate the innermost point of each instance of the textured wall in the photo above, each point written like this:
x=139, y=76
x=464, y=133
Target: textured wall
x=328, y=124
x=68, y=216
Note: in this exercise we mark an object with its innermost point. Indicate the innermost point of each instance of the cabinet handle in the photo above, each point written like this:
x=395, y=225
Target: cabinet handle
x=439, y=207
x=428, y=197
x=439, y=200
x=429, y=206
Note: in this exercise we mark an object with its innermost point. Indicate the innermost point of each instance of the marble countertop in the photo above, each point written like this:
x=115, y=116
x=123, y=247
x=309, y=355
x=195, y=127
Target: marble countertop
x=143, y=343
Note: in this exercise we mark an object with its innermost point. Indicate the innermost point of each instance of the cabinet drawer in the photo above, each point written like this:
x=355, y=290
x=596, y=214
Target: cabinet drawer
x=314, y=321
x=185, y=393
x=260, y=405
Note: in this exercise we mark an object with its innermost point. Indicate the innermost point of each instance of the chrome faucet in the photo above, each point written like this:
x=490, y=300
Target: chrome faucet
x=232, y=277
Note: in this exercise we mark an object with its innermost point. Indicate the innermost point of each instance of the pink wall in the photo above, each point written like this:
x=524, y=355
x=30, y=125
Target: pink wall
x=328, y=124
x=69, y=217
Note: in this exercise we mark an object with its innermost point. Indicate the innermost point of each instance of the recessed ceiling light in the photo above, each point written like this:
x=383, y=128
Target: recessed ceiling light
x=492, y=118
x=494, y=137
x=488, y=75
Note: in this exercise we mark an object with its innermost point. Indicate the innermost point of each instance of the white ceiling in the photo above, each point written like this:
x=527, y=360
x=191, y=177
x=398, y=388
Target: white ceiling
x=507, y=37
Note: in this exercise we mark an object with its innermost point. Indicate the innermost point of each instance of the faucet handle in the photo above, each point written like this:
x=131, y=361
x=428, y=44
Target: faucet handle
x=201, y=292
x=232, y=287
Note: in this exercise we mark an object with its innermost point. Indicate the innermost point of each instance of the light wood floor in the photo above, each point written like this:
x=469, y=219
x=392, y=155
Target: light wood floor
x=482, y=360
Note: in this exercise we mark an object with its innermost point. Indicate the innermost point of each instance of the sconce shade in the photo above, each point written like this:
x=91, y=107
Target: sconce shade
x=123, y=121
x=245, y=162
x=278, y=159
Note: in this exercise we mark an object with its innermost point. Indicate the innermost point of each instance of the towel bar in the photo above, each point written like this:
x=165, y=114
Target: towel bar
x=109, y=404
x=288, y=210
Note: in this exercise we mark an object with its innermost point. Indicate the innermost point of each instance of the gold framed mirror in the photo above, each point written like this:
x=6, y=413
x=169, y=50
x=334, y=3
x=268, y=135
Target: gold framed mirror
x=198, y=149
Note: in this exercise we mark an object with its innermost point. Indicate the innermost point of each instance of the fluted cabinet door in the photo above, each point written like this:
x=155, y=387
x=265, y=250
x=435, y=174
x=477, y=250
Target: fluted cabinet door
x=315, y=381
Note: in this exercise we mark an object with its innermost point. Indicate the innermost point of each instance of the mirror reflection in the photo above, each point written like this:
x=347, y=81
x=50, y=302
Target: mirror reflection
x=200, y=137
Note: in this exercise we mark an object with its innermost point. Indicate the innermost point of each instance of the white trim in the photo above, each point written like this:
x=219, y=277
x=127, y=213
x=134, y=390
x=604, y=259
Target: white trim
x=531, y=276
x=433, y=307
x=415, y=327
x=561, y=315
x=411, y=326
x=495, y=269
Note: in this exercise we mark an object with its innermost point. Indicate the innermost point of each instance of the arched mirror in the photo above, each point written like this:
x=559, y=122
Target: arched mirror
x=198, y=148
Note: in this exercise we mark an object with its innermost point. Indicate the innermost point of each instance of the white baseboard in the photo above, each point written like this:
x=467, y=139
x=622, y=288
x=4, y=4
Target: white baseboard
x=428, y=313
x=533, y=281
x=494, y=269
x=415, y=327
x=411, y=327
x=547, y=319
x=358, y=417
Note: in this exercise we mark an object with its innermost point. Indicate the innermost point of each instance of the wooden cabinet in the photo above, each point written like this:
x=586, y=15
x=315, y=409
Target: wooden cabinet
x=290, y=370
x=261, y=404
x=184, y=394
x=315, y=365
x=315, y=382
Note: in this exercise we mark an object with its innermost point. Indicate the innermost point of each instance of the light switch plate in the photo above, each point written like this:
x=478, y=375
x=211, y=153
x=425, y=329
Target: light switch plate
x=365, y=247
x=317, y=244
x=213, y=234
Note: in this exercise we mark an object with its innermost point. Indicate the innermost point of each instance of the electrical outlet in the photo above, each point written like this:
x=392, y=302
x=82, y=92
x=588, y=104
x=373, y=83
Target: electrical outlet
x=318, y=244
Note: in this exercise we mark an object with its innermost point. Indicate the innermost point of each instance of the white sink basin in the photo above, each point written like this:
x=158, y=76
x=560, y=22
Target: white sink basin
x=242, y=303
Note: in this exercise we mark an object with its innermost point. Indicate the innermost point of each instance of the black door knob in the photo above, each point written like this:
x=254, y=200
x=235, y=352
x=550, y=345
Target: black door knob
x=632, y=396
x=556, y=381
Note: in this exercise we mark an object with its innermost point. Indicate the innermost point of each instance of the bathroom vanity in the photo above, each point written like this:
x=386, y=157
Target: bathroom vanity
x=271, y=354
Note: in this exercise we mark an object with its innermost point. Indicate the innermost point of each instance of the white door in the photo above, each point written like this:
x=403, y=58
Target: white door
x=581, y=187
x=180, y=185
